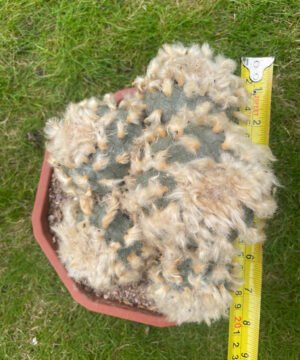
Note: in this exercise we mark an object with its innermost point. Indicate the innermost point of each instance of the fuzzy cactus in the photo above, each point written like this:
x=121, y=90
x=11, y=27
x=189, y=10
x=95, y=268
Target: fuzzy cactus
x=90, y=152
x=161, y=184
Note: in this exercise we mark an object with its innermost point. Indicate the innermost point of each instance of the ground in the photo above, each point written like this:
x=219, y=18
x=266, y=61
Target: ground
x=55, y=52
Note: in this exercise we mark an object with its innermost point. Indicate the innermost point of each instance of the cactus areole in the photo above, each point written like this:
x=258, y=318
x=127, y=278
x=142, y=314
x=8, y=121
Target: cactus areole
x=159, y=185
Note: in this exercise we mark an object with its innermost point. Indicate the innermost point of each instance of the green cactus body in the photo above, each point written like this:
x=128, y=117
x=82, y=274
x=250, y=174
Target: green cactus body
x=162, y=183
x=96, y=185
x=196, y=179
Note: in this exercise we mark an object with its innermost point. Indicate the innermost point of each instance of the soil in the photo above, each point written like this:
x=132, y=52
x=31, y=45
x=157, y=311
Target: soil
x=133, y=294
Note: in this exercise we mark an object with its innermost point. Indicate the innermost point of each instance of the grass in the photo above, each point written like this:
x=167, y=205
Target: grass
x=54, y=52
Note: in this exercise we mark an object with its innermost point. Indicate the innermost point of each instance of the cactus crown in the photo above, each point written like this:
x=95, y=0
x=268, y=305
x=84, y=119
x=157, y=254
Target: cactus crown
x=160, y=184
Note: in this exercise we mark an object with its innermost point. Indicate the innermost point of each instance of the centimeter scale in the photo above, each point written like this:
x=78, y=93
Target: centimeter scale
x=245, y=309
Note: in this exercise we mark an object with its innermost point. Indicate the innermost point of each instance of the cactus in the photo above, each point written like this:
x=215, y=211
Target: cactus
x=90, y=151
x=166, y=200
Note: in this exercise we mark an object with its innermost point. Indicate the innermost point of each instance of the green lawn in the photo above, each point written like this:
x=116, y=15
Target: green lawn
x=54, y=52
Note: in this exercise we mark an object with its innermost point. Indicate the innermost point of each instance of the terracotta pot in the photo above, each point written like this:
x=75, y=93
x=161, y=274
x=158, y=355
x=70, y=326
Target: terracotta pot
x=44, y=238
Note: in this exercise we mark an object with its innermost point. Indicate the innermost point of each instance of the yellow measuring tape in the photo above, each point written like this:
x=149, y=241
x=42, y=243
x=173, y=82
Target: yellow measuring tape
x=245, y=310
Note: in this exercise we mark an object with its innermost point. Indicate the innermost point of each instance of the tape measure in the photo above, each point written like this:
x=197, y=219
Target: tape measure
x=244, y=315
